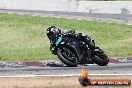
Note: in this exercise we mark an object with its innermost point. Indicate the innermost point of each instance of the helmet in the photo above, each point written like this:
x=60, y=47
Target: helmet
x=53, y=31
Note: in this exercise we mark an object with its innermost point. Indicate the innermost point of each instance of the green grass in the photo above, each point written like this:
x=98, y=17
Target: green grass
x=23, y=38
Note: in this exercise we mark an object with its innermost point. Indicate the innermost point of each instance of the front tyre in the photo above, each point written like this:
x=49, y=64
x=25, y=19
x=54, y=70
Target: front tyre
x=101, y=58
x=67, y=56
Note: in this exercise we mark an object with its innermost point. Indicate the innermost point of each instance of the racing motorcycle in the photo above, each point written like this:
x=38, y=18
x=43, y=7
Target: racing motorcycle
x=75, y=48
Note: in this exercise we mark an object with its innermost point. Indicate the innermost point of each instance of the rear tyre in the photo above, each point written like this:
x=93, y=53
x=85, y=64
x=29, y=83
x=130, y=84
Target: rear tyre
x=67, y=56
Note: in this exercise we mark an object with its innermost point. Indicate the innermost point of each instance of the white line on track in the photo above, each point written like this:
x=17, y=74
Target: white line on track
x=20, y=76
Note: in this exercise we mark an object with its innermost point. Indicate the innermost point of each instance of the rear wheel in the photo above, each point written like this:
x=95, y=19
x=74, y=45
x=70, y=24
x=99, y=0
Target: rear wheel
x=67, y=56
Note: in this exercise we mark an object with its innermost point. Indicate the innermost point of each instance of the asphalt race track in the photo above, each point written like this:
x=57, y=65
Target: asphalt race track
x=121, y=66
x=56, y=68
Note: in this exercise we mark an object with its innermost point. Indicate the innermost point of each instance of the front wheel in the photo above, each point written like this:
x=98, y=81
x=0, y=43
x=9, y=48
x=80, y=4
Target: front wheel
x=101, y=59
x=67, y=56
